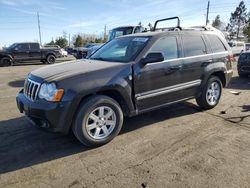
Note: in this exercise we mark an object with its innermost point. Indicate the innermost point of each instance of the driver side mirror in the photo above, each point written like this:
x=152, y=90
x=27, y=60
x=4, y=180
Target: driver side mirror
x=16, y=49
x=153, y=58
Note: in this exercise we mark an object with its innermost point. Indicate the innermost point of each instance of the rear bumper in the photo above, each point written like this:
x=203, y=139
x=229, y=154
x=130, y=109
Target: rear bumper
x=244, y=69
x=228, y=76
x=52, y=116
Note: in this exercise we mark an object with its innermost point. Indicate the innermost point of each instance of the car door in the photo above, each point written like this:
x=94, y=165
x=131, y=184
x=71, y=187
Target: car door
x=159, y=83
x=196, y=57
x=21, y=51
x=35, y=52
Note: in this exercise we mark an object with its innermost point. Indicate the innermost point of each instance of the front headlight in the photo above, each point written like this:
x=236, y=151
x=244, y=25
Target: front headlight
x=49, y=92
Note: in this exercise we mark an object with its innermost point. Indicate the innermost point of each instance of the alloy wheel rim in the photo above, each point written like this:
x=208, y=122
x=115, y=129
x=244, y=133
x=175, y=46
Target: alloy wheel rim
x=101, y=122
x=52, y=60
x=213, y=93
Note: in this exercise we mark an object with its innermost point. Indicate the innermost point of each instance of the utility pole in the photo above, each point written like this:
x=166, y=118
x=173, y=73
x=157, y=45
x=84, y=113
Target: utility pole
x=39, y=29
x=208, y=6
x=69, y=39
x=105, y=32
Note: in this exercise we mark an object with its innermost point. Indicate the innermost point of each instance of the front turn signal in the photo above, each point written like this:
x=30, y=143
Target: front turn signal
x=58, y=95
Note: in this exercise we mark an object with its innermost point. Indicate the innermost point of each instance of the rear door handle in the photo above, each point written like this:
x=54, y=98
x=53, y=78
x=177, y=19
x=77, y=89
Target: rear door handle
x=175, y=68
x=206, y=63
x=209, y=61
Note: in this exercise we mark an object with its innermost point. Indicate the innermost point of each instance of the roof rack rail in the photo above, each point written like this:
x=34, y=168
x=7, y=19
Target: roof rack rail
x=178, y=27
x=200, y=28
x=167, y=19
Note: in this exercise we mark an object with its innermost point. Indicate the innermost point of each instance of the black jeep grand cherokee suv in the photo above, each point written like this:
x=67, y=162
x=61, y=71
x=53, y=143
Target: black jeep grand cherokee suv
x=128, y=76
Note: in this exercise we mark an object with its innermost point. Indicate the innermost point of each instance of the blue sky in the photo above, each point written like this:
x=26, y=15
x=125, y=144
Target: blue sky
x=18, y=21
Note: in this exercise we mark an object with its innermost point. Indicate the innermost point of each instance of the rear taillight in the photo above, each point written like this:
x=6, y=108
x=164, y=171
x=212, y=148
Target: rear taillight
x=231, y=58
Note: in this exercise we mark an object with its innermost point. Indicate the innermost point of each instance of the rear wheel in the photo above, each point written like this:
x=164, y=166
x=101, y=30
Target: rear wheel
x=51, y=59
x=6, y=61
x=211, y=93
x=98, y=121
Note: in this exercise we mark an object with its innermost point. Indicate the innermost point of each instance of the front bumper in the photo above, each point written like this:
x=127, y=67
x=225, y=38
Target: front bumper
x=49, y=115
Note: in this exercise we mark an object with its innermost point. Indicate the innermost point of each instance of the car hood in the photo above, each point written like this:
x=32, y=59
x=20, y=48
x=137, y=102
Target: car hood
x=3, y=51
x=69, y=69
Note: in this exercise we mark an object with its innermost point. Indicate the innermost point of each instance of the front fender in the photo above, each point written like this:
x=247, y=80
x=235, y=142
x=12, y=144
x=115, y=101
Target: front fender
x=107, y=83
x=6, y=55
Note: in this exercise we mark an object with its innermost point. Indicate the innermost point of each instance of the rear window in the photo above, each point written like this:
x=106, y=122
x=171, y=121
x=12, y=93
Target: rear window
x=216, y=44
x=240, y=44
x=193, y=46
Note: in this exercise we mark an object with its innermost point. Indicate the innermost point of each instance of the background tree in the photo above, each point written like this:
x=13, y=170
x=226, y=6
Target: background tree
x=238, y=20
x=151, y=27
x=79, y=42
x=51, y=42
x=217, y=22
x=62, y=42
x=246, y=32
x=140, y=24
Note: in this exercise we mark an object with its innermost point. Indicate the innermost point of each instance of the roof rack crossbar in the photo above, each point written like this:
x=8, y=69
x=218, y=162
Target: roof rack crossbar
x=166, y=19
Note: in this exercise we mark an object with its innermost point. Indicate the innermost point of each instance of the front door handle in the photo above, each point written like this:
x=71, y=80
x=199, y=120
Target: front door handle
x=172, y=69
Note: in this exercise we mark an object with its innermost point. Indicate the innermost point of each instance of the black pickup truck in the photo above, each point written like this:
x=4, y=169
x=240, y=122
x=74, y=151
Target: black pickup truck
x=23, y=52
x=128, y=76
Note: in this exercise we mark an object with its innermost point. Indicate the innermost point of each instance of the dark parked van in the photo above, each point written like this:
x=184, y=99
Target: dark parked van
x=128, y=76
x=244, y=64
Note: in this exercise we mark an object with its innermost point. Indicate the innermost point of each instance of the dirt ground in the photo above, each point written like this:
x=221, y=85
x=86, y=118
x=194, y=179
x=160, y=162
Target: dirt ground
x=178, y=146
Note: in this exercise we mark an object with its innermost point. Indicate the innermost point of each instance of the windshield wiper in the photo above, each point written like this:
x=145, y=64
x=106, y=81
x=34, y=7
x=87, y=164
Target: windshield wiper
x=99, y=58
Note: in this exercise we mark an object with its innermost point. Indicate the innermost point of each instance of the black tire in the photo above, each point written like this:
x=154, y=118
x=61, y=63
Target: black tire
x=82, y=118
x=203, y=100
x=51, y=59
x=6, y=61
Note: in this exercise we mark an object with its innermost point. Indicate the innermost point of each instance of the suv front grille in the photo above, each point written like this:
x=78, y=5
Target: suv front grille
x=31, y=89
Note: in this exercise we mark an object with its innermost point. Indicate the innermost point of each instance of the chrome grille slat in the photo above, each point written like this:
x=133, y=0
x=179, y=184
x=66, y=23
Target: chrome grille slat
x=31, y=89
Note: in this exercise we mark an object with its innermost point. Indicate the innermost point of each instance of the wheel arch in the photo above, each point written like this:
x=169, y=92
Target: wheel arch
x=115, y=94
x=50, y=53
x=221, y=76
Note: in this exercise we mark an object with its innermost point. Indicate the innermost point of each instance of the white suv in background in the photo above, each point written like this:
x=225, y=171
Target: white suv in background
x=237, y=47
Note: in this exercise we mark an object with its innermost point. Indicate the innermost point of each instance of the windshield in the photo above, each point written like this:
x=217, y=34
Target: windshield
x=123, y=49
x=120, y=32
x=12, y=46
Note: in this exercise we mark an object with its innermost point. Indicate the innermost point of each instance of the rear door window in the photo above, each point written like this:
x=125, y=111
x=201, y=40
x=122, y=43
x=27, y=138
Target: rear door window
x=34, y=46
x=167, y=46
x=193, y=46
x=216, y=44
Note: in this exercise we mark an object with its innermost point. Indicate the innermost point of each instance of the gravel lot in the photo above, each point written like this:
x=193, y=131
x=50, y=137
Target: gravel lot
x=178, y=146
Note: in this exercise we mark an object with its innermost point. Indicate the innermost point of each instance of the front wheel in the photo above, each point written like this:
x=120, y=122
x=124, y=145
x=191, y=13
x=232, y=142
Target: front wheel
x=211, y=93
x=98, y=121
x=6, y=61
